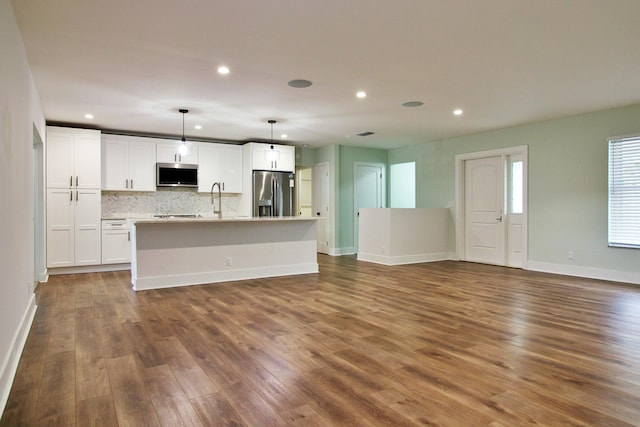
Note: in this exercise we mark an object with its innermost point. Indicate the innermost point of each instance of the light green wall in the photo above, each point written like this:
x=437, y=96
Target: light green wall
x=348, y=156
x=567, y=183
x=305, y=157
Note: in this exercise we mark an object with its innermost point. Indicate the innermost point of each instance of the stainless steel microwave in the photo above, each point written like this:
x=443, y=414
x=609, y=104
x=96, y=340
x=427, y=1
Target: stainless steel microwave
x=176, y=175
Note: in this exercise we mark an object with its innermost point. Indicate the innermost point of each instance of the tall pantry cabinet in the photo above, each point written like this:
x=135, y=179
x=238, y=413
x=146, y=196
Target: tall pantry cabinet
x=73, y=197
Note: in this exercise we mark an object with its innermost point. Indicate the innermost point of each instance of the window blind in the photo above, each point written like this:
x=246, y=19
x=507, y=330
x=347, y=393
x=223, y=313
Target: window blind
x=624, y=192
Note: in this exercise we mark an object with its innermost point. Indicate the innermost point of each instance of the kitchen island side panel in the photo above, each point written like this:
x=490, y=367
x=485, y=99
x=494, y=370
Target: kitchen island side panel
x=170, y=254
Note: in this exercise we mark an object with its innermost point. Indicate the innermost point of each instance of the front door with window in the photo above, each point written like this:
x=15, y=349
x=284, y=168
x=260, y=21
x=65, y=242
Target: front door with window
x=492, y=195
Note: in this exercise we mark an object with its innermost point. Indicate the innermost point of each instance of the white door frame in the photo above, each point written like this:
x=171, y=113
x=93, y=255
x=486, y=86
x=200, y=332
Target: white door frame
x=521, y=150
x=383, y=196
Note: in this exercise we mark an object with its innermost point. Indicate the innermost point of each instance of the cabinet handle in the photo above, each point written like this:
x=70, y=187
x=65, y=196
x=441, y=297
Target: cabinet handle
x=77, y=194
x=76, y=180
x=71, y=181
x=132, y=184
x=128, y=236
x=126, y=183
x=71, y=196
x=223, y=186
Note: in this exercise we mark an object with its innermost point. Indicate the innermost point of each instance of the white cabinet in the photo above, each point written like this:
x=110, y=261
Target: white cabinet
x=272, y=157
x=73, y=227
x=73, y=197
x=220, y=163
x=128, y=164
x=73, y=158
x=116, y=241
x=177, y=152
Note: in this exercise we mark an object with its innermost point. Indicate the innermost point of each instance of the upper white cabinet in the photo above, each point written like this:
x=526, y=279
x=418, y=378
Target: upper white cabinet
x=272, y=157
x=73, y=158
x=128, y=164
x=177, y=152
x=220, y=163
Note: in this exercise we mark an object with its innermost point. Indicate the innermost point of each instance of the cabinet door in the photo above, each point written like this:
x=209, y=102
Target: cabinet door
x=231, y=169
x=287, y=161
x=115, y=165
x=86, y=155
x=60, y=209
x=116, y=246
x=87, y=227
x=263, y=157
x=59, y=148
x=176, y=152
x=209, y=166
x=73, y=158
x=142, y=166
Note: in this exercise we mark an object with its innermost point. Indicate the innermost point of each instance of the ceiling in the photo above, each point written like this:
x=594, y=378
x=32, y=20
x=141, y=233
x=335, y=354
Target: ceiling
x=133, y=64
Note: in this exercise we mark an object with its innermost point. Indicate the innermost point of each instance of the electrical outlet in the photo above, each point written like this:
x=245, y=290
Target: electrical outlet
x=571, y=255
x=228, y=262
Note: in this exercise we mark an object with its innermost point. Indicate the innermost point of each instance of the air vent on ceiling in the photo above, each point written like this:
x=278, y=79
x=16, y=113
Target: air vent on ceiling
x=367, y=133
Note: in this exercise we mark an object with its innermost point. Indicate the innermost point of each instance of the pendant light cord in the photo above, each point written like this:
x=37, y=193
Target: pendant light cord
x=271, y=122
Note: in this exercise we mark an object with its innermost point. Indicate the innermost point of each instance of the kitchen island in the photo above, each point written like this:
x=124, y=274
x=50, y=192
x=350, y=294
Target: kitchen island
x=170, y=252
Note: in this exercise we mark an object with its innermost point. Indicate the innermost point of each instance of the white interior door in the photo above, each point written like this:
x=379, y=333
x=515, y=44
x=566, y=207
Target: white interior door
x=368, y=192
x=484, y=210
x=321, y=187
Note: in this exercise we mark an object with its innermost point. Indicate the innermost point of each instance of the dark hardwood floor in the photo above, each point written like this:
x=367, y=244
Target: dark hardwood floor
x=448, y=343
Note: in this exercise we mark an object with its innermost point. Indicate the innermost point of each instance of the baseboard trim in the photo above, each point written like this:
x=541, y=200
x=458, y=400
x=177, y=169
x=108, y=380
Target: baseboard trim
x=89, y=269
x=10, y=364
x=145, y=283
x=404, y=259
x=342, y=251
x=587, y=272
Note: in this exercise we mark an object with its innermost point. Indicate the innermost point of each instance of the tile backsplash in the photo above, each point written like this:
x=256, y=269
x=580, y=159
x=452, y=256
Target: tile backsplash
x=177, y=201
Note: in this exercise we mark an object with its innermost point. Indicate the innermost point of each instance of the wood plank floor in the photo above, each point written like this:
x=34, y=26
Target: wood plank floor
x=439, y=344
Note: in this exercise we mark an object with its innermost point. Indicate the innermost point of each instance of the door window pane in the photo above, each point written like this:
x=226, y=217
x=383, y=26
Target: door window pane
x=516, y=187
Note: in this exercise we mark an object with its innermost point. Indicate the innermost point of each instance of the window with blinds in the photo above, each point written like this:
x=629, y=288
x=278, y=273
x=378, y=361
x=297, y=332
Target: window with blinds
x=624, y=192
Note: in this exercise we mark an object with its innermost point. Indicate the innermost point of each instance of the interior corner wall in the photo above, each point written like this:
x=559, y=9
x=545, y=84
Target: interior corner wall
x=568, y=179
x=21, y=110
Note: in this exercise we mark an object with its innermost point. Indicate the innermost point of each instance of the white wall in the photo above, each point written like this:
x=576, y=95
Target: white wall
x=20, y=109
x=567, y=188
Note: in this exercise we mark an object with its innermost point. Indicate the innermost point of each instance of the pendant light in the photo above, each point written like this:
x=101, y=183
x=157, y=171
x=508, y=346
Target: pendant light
x=272, y=154
x=183, y=147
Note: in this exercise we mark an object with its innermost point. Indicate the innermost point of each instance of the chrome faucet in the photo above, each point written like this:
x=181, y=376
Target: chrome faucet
x=219, y=211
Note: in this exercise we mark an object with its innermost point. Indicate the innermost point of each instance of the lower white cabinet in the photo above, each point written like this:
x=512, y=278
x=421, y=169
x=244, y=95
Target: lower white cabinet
x=116, y=241
x=73, y=227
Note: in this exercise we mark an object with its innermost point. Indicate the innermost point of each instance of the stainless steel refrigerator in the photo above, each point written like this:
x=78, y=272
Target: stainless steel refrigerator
x=273, y=193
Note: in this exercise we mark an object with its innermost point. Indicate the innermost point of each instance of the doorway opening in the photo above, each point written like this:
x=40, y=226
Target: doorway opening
x=39, y=256
x=369, y=192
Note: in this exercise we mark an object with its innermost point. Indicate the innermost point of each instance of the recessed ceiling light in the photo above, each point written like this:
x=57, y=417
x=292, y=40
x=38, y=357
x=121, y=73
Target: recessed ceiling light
x=361, y=94
x=413, y=104
x=299, y=83
x=283, y=136
x=198, y=127
x=223, y=69
x=88, y=116
x=457, y=112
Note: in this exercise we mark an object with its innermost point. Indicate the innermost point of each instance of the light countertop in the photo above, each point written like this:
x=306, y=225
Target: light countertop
x=179, y=220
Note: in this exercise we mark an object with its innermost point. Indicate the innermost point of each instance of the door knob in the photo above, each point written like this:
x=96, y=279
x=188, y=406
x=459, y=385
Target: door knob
x=499, y=219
